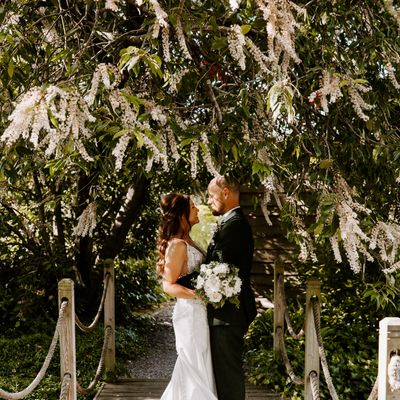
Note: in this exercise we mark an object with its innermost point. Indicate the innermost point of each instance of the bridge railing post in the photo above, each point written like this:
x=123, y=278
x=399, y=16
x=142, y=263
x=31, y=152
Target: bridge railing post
x=389, y=342
x=279, y=312
x=67, y=336
x=312, y=360
x=109, y=315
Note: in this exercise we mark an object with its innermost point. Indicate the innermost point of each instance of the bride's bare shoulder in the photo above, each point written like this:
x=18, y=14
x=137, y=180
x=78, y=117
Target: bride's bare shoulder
x=176, y=245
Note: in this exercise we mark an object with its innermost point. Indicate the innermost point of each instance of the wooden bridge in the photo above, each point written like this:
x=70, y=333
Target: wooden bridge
x=151, y=389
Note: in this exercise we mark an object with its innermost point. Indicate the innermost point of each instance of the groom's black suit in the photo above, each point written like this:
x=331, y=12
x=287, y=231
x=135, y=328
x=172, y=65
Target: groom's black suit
x=233, y=244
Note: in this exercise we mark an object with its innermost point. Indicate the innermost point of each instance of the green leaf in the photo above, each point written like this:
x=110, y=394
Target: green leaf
x=245, y=29
x=324, y=164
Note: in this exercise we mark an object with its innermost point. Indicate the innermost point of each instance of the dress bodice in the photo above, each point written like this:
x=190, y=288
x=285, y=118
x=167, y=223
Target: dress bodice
x=195, y=258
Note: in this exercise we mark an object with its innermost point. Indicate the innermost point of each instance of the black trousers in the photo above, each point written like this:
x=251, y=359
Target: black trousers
x=227, y=354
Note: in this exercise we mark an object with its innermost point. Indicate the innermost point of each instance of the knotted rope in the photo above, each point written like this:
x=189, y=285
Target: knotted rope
x=285, y=358
x=92, y=385
x=65, y=386
x=89, y=328
x=321, y=350
x=314, y=385
x=29, y=389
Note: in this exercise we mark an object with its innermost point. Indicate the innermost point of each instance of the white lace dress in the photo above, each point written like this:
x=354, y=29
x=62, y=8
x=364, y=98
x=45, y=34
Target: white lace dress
x=192, y=378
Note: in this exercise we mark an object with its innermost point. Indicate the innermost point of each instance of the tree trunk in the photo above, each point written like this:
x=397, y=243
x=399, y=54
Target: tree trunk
x=125, y=218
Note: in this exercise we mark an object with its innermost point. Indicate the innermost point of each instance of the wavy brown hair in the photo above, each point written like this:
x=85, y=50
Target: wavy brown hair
x=174, y=207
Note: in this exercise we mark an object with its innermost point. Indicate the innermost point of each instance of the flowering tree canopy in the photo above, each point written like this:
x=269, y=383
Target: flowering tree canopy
x=296, y=97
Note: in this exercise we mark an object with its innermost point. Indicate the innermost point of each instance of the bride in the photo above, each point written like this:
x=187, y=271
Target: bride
x=178, y=258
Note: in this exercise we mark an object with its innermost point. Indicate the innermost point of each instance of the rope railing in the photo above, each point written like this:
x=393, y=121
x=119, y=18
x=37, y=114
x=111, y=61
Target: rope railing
x=32, y=386
x=65, y=335
x=321, y=349
x=92, y=326
x=293, y=334
x=66, y=381
x=388, y=380
x=289, y=369
x=100, y=367
x=314, y=385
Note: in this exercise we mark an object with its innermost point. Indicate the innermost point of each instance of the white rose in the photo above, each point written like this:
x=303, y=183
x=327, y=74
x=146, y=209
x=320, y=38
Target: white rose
x=200, y=282
x=212, y=284
x=221, y=268
x=238, y=285
x=215, y=297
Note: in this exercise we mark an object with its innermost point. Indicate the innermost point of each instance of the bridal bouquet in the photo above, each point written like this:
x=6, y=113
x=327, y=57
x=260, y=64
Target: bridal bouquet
x=218, y=282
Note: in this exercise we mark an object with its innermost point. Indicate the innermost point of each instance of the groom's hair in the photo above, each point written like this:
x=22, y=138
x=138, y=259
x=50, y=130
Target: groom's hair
x=224, y=181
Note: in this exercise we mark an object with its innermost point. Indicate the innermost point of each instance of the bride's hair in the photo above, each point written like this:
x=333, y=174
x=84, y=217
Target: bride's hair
x=175, y=208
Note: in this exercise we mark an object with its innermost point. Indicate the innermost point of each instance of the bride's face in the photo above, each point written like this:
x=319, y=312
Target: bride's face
x=194, y=214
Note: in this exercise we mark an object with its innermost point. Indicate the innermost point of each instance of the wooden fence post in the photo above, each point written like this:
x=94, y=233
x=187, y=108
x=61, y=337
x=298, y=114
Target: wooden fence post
x=389, y=341
x=67, y=335
x=279, y=316
x=109, y=315
x=311, y=350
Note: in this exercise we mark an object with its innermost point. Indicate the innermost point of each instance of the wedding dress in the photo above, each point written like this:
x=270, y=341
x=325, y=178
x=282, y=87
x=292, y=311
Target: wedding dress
x=192, y=377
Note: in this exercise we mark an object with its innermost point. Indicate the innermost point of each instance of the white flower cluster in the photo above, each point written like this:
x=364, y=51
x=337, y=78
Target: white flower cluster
x=194, y=148
x=330, y=86
x=161, y=21
x=392, y=76
x=181, y=38
x=281, y=26
x=218, y=282
x=386, y=238
x=236, y=43
x=174, y=79
x=87, y=221
x=102, y=74
x=271, y=186
x=353, y=237
x=112, y=5
x=207, y=155
x=393, y=11
x=357, y=101
x=31, y=119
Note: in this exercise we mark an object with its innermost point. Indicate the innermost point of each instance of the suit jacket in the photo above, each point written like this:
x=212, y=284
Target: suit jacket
x=233, y=244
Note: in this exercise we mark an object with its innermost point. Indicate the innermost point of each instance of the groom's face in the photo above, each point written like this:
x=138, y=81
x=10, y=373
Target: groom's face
x=216, y=199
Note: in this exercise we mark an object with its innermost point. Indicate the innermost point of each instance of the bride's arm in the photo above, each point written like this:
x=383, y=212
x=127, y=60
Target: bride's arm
x=175, y=265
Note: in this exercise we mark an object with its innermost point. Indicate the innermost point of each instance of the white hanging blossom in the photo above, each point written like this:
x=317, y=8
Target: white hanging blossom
x=330, y=86
x=393, y=10
x=357, y=101
x=173, y=80
x=181, y=38
x=335, y=247
x=120, y=149
x=112, y=5
x=385, y=237
x=155, y=111
x=259, y=57
x=102, y=74
x=234, y=5
x=392, y=76
x=207, y=156
x=271, y=186
x=353, y=237
x=166, y=43
x=161, y=22
x=173, y=145
x=236, y=43
x=87, y=221
x=31, y=120
x=281, y=26
x=194, y=148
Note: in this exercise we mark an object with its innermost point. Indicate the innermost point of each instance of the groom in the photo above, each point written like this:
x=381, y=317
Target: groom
x=233, y=244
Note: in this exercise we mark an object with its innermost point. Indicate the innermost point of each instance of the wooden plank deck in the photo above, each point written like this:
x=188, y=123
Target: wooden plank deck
x=152, y=389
